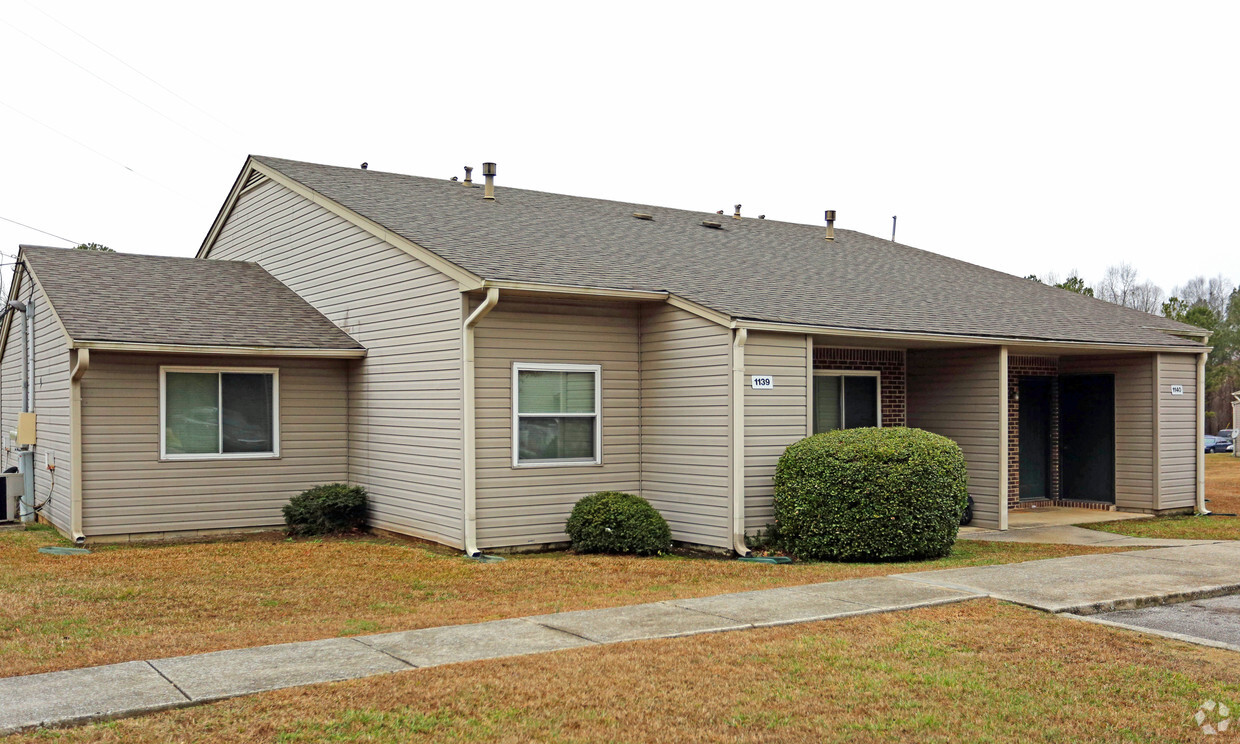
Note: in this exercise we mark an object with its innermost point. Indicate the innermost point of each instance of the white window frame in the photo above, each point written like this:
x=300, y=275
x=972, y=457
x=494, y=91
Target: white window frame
x=878, y=391
x=597, y=369
x=275, y=414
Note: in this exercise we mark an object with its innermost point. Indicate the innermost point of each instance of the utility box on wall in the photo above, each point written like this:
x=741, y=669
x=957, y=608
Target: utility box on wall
x=25, y=429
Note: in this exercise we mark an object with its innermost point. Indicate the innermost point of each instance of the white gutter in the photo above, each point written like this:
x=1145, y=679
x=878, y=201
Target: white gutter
x=75, y=445
x=952, y=338
x=469, y=445
x=142, y=348
x=739, y=336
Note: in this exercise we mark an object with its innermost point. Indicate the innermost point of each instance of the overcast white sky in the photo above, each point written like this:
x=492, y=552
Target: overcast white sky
x=1032, y=138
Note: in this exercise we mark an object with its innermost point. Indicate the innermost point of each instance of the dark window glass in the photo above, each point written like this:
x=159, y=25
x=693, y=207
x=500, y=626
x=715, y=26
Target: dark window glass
x=860, y=402
x=247, y=415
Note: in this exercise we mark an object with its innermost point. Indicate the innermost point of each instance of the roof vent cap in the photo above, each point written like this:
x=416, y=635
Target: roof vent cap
x=712, y=225
x=488, y=189
x=643, y=216
x=365, y=166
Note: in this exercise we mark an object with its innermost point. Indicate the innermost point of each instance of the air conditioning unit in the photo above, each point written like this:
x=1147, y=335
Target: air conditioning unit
x=13, y=485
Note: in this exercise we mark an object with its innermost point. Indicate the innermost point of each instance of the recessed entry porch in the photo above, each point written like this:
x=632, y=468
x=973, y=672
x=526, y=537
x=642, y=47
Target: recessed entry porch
x=1040, y=426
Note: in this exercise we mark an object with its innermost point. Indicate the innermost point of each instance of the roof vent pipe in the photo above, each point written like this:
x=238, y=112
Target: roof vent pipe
x=737, y=214
x=469, y=178
x=488, y=189
x=830, y=217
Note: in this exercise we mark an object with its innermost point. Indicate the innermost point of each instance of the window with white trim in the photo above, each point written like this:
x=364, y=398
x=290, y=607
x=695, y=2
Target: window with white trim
x=846, y=400
x=225, y=412
x=555, y=414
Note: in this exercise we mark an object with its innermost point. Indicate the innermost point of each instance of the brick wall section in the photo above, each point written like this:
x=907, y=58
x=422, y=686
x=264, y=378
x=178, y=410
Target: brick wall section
x=888, y=363
x=1030, y=366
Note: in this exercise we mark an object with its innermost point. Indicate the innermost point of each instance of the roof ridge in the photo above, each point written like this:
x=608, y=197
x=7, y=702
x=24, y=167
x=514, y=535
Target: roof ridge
x=771, y=270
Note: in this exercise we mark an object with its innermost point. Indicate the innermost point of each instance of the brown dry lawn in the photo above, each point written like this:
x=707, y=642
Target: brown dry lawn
x=136, y=602
x=1223, y=493
x=976, y=672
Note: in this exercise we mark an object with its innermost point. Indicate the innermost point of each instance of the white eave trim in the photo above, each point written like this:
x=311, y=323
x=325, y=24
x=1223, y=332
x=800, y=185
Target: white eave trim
x=758, y=325
x=575, y=289
x=219, y=350
x=613, y=293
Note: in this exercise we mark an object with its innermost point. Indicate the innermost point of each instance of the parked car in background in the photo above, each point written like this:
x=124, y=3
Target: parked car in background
x=1218, y=444
x=1227, y=434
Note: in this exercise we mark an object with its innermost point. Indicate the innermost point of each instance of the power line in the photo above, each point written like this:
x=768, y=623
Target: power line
x=31, y=227
x=165, y=88
x=75, y=141
x=85, y=146
x=110, y=84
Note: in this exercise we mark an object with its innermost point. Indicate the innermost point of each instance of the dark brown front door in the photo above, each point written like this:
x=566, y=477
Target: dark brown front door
x=1087, y=437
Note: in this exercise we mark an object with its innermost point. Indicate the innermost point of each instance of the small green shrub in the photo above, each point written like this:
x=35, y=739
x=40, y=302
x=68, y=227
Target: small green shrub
x=613, y=522
x=870, y=495
x=335, y=507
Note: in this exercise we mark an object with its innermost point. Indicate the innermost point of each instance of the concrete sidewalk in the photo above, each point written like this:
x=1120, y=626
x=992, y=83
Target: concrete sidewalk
x=1081, y=584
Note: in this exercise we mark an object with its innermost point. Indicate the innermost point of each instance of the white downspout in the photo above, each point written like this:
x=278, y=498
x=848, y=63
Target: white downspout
x=1201, y=434
x=26, y=454
x=75, y=445
x=739, y=336
x=468, y=471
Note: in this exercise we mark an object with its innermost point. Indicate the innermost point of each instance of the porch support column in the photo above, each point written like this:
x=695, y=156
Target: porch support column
x=1201, y=434
x=1003, y=438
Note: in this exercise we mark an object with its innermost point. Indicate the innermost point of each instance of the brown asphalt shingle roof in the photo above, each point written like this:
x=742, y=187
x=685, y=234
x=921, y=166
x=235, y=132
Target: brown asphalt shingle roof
x=132, y=298
x=751, y=269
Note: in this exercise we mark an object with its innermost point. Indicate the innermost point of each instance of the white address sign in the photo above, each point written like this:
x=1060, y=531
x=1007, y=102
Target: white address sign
x=762, y=382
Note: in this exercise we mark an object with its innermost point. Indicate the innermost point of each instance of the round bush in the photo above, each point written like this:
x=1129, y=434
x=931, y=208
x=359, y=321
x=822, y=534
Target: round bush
x=335, y=507
x=870, y=495
x=614, y=522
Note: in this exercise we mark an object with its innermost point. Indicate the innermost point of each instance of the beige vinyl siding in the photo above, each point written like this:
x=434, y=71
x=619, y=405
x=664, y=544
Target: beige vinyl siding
x=956, y=394
x=1134, y=422
x=128, y=490
x=51, y=387
x=685, y=424
x=774, y=418
x=404, y=438
x=529, y=505
x=51, y=403
x=1177, y=430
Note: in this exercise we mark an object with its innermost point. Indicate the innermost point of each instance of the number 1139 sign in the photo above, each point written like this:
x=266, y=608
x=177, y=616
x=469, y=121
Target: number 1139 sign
x=762, y=382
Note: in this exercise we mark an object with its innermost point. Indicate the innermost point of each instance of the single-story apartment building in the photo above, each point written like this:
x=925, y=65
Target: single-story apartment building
x=479, y=358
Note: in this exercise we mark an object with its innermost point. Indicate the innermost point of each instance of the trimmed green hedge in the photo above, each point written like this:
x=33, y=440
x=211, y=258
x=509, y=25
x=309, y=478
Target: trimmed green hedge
x=870, y=495
x=614, y=522
x=335, y=507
